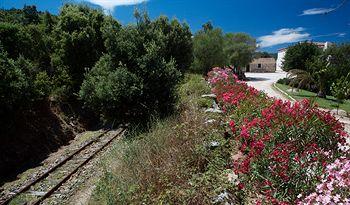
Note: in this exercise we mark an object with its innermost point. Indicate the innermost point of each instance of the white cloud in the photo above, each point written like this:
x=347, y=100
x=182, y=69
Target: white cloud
x=284, y=35
x=316, y=11
x=111, y=4
x=341, y=34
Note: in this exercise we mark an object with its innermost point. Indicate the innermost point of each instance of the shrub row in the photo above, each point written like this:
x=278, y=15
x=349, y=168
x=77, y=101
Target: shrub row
x=285, y=148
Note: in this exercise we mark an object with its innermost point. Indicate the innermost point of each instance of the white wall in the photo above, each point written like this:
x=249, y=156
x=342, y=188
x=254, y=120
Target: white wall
x=280, y=59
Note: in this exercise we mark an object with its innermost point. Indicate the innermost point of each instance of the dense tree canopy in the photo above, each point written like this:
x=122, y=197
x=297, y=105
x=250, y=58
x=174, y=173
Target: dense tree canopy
x=317, y=69
x=208, y=52
x=85, y=56
x=297, y=56
x=239, y=47
x=214, y=48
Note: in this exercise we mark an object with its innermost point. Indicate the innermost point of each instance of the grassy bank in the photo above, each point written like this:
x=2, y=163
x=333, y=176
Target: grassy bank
x=329, y=103
x=180, y=160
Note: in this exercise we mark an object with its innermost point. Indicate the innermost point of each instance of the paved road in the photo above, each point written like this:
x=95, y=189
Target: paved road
x=264, y=81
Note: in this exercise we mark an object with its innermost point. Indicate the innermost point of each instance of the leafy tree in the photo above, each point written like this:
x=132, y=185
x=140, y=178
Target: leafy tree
x=341, y=89
x=264, y=55
x=79, y=40
x=13, y=39
x=298, y=55
x=239, y=47
x=22, y=84
x=49, y=22
x=111, y=90
x=339, y=59
x=14, y=16
x=141, y=50
x=13, y=84
x=178, y=41
x=207, y=26
x=208, y=50
x=318, y=74
x=30, y=15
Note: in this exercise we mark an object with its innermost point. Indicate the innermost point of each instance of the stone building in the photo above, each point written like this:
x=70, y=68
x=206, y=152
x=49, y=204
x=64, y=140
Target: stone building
x=262, y=65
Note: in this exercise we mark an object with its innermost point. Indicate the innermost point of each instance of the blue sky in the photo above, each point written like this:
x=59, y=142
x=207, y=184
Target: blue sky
x=274, y=23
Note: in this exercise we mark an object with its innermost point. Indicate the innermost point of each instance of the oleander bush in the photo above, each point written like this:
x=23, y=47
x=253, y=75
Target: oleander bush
x=286, y=148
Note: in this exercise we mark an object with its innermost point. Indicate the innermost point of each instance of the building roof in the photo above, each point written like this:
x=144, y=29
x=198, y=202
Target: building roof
x=319, y=44
x=263, y=60
x=282, y=49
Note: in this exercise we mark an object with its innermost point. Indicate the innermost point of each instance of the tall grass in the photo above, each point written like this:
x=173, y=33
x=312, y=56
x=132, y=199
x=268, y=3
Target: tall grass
x=172, y=162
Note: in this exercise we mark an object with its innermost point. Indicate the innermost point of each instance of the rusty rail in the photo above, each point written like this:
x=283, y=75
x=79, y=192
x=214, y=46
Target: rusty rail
x=51, y=170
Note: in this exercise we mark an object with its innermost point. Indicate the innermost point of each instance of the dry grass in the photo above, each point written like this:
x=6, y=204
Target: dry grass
x=172, y=162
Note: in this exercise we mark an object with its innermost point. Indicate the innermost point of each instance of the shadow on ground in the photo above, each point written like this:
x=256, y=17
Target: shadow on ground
x=28, y=138
x=256, y=79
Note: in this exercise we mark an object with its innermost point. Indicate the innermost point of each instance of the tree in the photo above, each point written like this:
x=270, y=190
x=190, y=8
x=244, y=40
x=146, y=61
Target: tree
x=79, y=41
x=339, y=59
x=298, y=55
x=239, y=47
x=142, y=52
x=341, y=89
x=208, y=49
x=30, y=15
x=13, y=39
x=264, y=54
x=318, y=74
x=49, y=21
x=110, y=90
x=178, y=41
x=13, y=83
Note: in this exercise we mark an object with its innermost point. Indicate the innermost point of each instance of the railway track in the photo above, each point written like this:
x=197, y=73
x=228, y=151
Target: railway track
x=43, y=186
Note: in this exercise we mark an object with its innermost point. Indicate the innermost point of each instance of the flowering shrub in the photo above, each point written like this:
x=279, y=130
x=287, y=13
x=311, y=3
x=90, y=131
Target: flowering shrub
x=286, y=147
x=335, y=187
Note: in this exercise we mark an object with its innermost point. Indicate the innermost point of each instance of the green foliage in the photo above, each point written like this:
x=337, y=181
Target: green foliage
x=212, y=48
x=21, y=83
x=12, y=38
x=339, y=60
x=298, y=55
x=78, y=38
x=54, y=55
x=30, y=15
x=239, y=47
x=13, y=83
x=110, y=90
x=320, y=69
x=341, y=88
x=264, y=55
x=13, y=15
x=171, y=163
x=144, y=51
x=208, y=50
x=191, y=89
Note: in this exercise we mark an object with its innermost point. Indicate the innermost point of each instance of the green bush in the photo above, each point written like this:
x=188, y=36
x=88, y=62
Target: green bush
x=299, y=55
x=22, y=83
x=78, y=40
x=110, y=90
x=284, y=81
x=13, y=83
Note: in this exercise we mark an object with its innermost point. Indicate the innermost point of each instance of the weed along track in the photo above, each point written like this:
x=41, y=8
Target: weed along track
x=45, y=185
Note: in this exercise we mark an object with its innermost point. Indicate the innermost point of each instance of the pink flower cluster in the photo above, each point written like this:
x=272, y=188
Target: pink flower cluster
x=335, y=187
